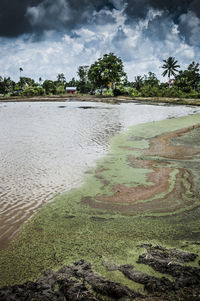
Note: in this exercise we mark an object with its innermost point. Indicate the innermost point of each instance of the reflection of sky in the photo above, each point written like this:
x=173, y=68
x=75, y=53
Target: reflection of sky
x=45, y=149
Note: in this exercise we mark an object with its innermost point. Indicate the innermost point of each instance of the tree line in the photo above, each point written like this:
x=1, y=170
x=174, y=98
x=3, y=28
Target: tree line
x=107, y=77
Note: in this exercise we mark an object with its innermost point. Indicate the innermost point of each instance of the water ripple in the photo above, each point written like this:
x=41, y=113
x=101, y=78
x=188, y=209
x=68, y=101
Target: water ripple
x=45, y=150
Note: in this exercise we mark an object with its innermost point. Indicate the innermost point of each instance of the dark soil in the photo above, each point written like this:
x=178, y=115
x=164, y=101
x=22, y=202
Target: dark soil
x=79, y=283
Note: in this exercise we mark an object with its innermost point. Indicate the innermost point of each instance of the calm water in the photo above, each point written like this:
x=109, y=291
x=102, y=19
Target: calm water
x=45, y=148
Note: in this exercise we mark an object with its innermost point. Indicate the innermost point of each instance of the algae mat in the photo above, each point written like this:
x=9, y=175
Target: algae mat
x=146, y=189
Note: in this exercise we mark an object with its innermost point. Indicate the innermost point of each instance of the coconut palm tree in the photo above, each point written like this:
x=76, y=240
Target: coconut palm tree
x=61, y=78
x=170, y=66
x=139, y=82
x=20, y=72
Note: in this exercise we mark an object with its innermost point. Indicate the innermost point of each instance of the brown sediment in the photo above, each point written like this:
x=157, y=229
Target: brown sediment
x=101, y=178
x=141, y=192
x=170, y=203
x=158, y=195
x=101, y=170
x=162, y=145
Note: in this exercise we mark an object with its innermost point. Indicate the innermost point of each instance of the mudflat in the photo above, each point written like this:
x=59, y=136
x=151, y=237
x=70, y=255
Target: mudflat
x=143, y=194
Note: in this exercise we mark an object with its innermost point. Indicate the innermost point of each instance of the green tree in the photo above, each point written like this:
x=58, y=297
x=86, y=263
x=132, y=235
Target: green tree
x=1, y=85
x=60, y=84
x=6, y=85
x=49, y=87
x=170, y=66
x=138, y=83
x=26, y=82
x=83, y=73
x=150, y=79
x=72, y=83
x=61, y=79
x=83, y=85
x=188, y=79
x=106, y=72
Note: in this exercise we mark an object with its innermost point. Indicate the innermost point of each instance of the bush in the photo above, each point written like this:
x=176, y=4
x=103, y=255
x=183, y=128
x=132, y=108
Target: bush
x=119, y=90
x=150, y=91
x=16, y=93
x=33, y=91
x=174, y=92
x=60, y=90
x=192, y=94
x=162, y=91
x=108, y=92
x=41, y=91
x=130, y=91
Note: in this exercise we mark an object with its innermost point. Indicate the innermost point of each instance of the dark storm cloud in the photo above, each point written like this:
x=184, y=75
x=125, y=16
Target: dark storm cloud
x=195, y=6
x=64, y=14
x=184, y=13
x=140, y=8
x=12, y=17
x=24, y=16
x=102, y=18
x=35, y=16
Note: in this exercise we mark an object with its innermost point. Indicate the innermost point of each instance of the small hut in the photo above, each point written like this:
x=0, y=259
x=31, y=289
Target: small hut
x=71, y=90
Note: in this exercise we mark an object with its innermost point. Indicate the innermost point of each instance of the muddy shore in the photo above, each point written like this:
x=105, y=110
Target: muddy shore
x=78, y=282
x=119, y=99
x=142, y=195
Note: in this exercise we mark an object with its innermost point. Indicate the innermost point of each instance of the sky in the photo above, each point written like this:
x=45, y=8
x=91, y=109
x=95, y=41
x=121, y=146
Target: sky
x=48, y=37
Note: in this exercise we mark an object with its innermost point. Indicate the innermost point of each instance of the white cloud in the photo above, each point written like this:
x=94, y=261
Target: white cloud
x=63, y=53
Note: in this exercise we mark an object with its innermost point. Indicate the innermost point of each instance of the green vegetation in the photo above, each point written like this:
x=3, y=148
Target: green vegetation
x=106, y=72
x=170, y=66
x=107, y=77
x=83, y=85
x=69, y=229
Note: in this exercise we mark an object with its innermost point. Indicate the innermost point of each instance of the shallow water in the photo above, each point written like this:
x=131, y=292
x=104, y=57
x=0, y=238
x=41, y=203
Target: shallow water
x=45, y=148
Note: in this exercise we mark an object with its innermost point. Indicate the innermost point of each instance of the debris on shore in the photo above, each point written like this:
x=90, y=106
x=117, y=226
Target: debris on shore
x=78, y=282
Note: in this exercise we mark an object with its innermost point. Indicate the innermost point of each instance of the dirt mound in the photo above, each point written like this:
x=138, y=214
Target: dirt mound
x=78, y=282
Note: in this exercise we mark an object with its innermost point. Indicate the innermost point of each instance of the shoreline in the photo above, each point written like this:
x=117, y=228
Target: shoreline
x=85, y=223
x=112, y=100
x=79, y=282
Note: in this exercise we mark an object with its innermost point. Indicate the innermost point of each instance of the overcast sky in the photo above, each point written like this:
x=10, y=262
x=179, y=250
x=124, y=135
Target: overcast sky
x=47, y=37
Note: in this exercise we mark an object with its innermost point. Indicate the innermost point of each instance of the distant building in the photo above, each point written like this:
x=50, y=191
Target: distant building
x=71, y=90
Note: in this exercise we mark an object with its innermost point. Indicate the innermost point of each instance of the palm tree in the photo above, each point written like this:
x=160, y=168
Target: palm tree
x=61, y=78
x=20, y=71
x=139, y=82
x=170, y=66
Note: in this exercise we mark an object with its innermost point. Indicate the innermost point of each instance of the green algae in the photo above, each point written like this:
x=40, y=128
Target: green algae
x=67, y=230
x=118, y=171
x=163, y=194
x=188, y=139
